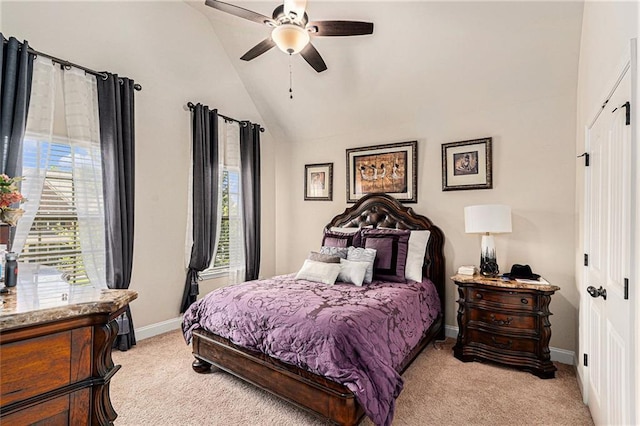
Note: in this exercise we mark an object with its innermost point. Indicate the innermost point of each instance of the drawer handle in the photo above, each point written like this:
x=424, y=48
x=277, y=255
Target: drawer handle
x=501, y=322
x=524, y=301
x=478, y=296
x=502, y=345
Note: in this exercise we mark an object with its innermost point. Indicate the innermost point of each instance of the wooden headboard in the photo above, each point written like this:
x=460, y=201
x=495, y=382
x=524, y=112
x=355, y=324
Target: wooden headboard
x=382, y=210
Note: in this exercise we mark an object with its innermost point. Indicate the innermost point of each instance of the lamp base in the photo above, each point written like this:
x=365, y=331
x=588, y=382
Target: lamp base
x=488, y=261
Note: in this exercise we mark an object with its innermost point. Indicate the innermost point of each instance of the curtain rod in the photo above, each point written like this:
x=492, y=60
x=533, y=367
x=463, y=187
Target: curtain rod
x=191, y=105
x=67, y=64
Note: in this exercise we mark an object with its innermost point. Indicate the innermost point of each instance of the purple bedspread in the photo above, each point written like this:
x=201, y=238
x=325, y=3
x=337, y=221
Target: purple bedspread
x=356, y=336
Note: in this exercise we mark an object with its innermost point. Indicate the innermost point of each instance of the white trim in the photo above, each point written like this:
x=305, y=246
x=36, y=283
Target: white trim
x=560, y=355
x=158, y=328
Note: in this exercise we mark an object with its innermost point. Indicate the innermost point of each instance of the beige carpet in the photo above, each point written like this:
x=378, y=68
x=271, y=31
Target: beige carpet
x=156, y=386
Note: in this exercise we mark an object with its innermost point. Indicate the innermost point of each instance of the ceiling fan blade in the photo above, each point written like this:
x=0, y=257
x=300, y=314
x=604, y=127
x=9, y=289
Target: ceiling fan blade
x=311, y=55
x=340, y=28
x=240, y=12
x=258, y=49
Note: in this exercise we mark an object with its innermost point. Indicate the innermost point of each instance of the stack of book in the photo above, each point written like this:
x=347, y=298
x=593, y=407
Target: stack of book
x=467, y=270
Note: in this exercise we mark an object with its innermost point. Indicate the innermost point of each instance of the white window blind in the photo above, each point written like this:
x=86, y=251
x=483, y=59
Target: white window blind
x=230, y=216
x=54, y=237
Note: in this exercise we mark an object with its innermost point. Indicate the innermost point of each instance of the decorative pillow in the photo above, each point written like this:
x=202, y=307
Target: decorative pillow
x=391, y=247
x=341, y=238
x=415, y=255
x=321, y=257
x=319, y=272
x=344, y=230
x=341, y=252
x=359, y=254
x=352, y=272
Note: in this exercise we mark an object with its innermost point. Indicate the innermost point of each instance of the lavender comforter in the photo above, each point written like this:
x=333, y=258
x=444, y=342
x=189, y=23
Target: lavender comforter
x=356, y=336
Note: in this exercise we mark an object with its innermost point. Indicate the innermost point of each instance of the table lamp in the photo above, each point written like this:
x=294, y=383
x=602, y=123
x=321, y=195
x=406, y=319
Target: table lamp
x=487, y=219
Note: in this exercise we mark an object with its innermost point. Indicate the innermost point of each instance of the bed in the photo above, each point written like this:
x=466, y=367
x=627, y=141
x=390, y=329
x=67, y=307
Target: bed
x=307, y=385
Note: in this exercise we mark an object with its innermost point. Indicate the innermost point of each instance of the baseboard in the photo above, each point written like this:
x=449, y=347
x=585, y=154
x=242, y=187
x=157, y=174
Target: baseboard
x=562, y=356
x=158, y=328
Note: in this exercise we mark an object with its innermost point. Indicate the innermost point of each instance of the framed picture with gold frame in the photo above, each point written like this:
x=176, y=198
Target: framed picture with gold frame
x=467, y=165
x=390, y=168
x=318, y=182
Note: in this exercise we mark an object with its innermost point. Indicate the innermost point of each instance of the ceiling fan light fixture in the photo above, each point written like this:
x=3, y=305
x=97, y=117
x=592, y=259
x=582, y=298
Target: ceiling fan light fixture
x=294, y=9
x=290, y=38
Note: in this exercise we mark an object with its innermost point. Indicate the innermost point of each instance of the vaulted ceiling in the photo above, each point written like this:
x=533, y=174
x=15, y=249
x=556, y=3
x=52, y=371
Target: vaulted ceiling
x=424, y=59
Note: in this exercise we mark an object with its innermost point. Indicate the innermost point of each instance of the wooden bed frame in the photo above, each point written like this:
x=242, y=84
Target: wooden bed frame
x=310, y=391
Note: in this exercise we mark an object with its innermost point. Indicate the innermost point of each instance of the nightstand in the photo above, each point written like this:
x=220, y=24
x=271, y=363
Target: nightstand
x=505, y=322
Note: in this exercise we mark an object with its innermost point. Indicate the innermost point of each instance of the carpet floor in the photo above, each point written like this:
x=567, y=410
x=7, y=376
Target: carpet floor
x=156, y=386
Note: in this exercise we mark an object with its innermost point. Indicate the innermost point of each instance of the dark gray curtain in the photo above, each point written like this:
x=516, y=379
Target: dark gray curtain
x=250, y=164
x=205, y=197
x=117, y=139
x=15, y=91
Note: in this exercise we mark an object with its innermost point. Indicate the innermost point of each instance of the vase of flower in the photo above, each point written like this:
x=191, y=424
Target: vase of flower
x=10, y=197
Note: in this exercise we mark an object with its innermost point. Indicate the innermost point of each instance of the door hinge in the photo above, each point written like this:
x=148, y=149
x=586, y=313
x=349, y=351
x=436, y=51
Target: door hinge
x=626, y=289
x=585, y=360
x=586, y=158
x=586, y=259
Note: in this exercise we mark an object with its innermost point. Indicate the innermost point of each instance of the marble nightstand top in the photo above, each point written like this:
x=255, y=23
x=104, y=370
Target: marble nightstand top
x=42, y=295
x=498, y=282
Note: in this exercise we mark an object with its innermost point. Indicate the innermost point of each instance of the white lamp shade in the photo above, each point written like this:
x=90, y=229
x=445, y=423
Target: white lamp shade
x=492, y=218
x=290, y=38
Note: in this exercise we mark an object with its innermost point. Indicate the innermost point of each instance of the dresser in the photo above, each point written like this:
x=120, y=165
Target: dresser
x=55, y=350
x=506, y=322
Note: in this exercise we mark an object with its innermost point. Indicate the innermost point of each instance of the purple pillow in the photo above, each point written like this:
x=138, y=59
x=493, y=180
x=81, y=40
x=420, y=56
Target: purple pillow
x=341, y=239
x=391, y=247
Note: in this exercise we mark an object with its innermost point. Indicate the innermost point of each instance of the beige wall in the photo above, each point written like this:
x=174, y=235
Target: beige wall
x=534, y=167
x=607, y=30
x=171, y=50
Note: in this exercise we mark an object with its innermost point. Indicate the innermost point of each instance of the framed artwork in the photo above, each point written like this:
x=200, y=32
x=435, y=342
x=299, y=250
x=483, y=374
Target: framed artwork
x=391, y=168
x=318, y=182
x=467, y=165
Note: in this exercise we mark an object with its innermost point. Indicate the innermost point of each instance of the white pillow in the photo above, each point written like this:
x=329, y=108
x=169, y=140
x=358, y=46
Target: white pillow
x=319, y=272
x=415, y=255
x=352, y=272
x=344, y=230
x=368, y=255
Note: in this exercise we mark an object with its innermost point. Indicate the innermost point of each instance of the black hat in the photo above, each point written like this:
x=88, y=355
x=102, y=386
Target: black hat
x=522, y=271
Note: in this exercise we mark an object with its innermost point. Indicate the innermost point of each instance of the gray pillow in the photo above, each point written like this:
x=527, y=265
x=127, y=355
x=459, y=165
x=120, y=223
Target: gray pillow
x=359, y=254
x=321, y=257
x=341, y=252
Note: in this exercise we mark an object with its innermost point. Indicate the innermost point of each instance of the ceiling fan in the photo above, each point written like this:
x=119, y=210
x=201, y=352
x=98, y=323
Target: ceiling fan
x=292, y=30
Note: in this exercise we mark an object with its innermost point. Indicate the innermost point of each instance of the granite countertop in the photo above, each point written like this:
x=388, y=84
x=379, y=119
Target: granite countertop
x=42, y=295
x=499, y=282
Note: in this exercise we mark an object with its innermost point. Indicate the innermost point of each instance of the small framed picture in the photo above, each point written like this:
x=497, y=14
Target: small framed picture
x=318, y=182
x=467, y=165
x=391, y=169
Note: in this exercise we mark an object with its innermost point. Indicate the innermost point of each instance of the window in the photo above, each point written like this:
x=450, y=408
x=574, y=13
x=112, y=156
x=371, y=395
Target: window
x=230, y=216
x=54, y=238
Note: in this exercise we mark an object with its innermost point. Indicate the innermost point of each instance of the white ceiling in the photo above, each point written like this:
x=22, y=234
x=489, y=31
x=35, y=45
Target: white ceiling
x=424, y=59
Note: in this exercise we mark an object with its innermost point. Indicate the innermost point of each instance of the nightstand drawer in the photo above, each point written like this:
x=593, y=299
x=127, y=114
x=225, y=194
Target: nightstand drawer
x=498, y=319
x=507, y=299
x=502, y=342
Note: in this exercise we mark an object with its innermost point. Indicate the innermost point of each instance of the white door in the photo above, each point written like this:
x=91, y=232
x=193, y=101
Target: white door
x=608, y=242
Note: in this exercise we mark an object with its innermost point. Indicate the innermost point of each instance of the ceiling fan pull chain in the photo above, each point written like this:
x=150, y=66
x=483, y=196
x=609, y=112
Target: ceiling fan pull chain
x=290, y=79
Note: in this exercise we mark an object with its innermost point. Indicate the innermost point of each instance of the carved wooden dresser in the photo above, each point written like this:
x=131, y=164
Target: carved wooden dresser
x=55, y=350
x=506, y=322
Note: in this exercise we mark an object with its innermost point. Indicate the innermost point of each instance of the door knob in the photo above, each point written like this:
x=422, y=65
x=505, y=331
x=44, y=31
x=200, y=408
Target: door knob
x=597, y=292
